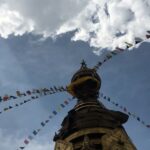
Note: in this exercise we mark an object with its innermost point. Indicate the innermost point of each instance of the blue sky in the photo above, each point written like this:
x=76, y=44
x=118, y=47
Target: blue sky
x=26, y=62
x=41, y=47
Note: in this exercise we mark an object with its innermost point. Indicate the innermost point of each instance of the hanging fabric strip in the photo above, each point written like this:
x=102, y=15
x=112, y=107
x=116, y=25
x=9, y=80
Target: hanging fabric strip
x=40, y=91
x=44, y=93
x=124, y=109
x=44, y=123
x=119, y=50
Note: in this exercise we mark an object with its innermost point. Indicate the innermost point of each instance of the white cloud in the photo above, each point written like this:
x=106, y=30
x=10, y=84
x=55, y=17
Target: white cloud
x=102, y=24
x=110, y=24
x=42, y=17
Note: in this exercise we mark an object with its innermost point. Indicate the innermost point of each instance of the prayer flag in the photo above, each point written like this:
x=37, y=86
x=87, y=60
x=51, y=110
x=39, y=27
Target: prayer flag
x=1, y=99
x=5, y=98
x=116, y=104
x=54, y=112
x=125, y=109
x=28, y=92
x=138, y=40
x=70, y=99
x=22, y=147
x=21, y=103
x=30, y=137
x=113, y=52
x=50, y=117
x=10, y=107
x=147, y=36
x=38, y=130
x=104, y=60
x=13, y=97
x=129, y=113
x=52, y=89
x=37, y=91
x=46, y=121
x=138, y=118
x=148, y=32
x=62, y=105
x=43, y=124
x=66, y=102
x=120, y=49
x=129, y=44
x=18, y=93
x=5, y=109
x=26, y=141
x=99, y=63
x=108, y=56
x=55, y=88
x=59, y=109
x=35, y=132
x=108, y=99
x=148, y=126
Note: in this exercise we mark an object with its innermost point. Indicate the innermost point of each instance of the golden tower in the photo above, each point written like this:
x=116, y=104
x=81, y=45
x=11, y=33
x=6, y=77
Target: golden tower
x=90, y=125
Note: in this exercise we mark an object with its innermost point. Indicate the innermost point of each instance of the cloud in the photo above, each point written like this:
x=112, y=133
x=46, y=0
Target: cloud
x=110, y=24
x=41, y=17
x=102, y=24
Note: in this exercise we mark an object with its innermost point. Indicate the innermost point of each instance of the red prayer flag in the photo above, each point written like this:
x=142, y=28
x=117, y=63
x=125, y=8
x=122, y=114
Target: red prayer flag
x=26, y=141
x=147, y=36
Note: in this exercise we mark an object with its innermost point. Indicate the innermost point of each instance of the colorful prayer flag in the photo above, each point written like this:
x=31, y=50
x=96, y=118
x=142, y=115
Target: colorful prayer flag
x=46, y=121
x=26, y=141
x=62, y=105
x=125, y=109
x=66, y=102
x=54, y=112
x=1, y=99
x=22, y=147
x=148, y=126
x=113, y=52
x=5, y=98
x=28, y=92
x=138, y=118
x=120, y=49
x=5, y=109
x=104, y=97
x=50, y=117
x=30, y=137
x=147, y=36
x=35, y=132
x=43, y=124
x=38, y=130
x=13, y=97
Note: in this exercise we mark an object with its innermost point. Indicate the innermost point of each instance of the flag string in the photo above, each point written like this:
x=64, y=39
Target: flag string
x=43, y=124
x=119, y=50
x=39, y=91
x=35, y=97
x=124, y=109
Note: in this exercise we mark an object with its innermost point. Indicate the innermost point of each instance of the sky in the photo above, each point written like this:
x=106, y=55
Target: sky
x=39, y=52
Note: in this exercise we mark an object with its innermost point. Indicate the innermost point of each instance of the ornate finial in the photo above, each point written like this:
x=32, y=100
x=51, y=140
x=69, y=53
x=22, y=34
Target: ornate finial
x=83, y=64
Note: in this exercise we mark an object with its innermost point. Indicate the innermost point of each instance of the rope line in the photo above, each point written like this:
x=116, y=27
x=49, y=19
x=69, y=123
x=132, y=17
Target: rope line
x=40, y=91
x=119, y=50
x=124, y=109
x=27, y=100
x=43, y=124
